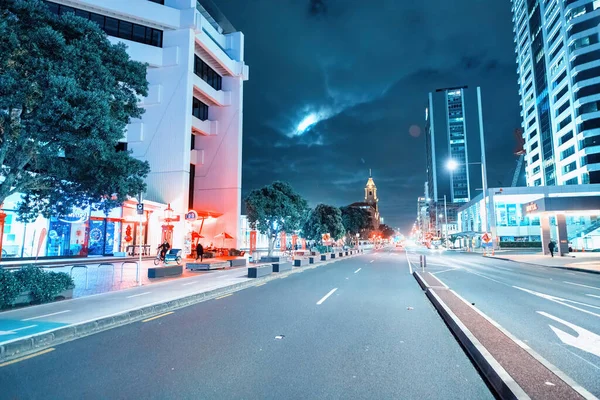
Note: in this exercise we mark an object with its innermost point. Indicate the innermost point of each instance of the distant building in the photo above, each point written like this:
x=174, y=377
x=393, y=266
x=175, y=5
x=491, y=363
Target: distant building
x=370, y=203
x=431, y=185
x=558, y=63
x=460, y=191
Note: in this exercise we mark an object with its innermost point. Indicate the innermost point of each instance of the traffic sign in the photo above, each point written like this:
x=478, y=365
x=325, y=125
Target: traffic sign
x=486, y=237
x=140, y=208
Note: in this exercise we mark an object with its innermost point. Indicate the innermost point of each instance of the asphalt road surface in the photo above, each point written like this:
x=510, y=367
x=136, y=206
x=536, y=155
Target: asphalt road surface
x=555, y=311
x=357, y=329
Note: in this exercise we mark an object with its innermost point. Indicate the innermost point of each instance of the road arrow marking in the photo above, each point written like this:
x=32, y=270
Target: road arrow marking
x=585, y=340
x=560, y=301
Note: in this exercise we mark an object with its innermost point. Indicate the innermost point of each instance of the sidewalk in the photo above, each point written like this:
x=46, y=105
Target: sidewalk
x=589, y=262
x=33, y=328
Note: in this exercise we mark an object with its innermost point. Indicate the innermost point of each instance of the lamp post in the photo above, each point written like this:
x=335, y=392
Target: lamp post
x=2, y=219
x=168, y=228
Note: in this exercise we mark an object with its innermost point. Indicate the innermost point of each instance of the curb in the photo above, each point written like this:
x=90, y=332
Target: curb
x=504, y=385
x=589, y=271
x=19, y=347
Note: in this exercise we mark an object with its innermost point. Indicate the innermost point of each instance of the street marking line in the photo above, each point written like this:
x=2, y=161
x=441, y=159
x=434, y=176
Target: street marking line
x=410, y=270
x=326, y=296
x=579, y=284
x=559, y=301
x=46, y=315
x=446, y=270
x=357, y=270
x=505, y=269
x=190, y=283
x=25, y=327
x=39, y=353
x=137, y=295
x=158, y=316
x=261, y=284
x=222, y=297
x=593, y=295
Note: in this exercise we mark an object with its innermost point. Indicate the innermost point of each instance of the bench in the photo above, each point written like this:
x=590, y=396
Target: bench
x=237, y=262
x=313, y=259
x=300, y=262
x=206, y=266
x=282, y=266
x=257, y=272
x=167, y=270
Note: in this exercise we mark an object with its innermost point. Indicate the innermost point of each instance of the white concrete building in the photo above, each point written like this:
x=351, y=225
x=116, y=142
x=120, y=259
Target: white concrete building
x=191, y=132
x=558, y=58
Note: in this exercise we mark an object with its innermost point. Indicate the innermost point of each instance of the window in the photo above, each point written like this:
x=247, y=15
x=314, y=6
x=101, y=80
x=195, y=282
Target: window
x=535, y=158
x=587, y=74
x=199, y=109
x=559, y=80
x=121, y=146
x=158, y=1
x=536, y=170
x=562, y=108
x=207, y=74
x=569, y=167
x=191, y=186
x=564, y=122
x=115, y=27
x=589, y=124
x=585, y=25
x=537, y=182
x=586, y=58
x=588, y=91
x=592, y=158
x=588, y=108
x=590, y=141
x=532, y=134
x=534, y=146
x=568, y=152
x=561, y=93
x=584, y=41
x=572, y=181
x=193, y=142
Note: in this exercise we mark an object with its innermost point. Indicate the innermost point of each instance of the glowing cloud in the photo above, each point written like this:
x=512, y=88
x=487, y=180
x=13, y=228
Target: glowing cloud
x=306, y=123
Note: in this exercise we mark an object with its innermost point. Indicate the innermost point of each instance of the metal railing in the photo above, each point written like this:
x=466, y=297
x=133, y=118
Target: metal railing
x=86, y=273
x=105, y=265
x=127, y=262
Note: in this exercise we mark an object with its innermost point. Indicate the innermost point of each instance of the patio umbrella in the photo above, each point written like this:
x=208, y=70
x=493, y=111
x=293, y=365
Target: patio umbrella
x=225, y=236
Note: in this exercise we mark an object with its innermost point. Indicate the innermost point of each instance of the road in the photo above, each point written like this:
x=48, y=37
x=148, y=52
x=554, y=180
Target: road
x=556, y=312
x=359, y=328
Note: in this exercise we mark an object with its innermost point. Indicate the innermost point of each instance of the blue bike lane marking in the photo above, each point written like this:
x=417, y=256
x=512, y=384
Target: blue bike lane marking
x=11, y=329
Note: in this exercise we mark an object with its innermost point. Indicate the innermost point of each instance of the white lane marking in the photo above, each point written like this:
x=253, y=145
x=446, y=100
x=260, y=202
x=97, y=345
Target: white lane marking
x=326, y=296
x=593, y=295
x=585, y=340
x=487, y=277
x=505, y=269
x=25, y=327
x=558, y=300
x=138, y=295
x=410, y=270
x=357, y=270
x=46, y=315
x=579, y=284
x=446, y=270
x=372, y=260
x=578, y=356
x=191, y=283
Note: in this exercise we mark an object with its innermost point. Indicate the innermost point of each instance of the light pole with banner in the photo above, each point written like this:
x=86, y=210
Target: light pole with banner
x=140, y=212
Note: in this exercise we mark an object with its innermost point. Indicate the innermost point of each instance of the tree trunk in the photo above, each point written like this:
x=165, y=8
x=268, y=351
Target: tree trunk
x=272, y=244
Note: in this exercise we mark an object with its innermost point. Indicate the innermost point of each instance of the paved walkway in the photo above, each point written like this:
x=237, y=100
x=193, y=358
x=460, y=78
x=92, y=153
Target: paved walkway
x=586, y=261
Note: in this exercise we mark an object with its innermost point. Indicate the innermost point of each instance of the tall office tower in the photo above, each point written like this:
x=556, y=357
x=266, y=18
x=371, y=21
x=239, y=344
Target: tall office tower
x=558, y=58
x=457, y=145
x=191, y=131
x=431, y=187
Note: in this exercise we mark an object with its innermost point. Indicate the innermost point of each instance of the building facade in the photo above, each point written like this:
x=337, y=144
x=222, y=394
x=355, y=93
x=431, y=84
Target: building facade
x=431, y=185
x=558, y=59
x=460, y=190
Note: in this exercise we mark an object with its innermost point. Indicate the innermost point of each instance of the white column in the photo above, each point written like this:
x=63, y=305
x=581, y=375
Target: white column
x=545, y=232
x=562, y=238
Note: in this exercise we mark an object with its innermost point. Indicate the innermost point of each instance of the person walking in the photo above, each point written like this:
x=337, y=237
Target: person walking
x=551, y=246
x=199, y=251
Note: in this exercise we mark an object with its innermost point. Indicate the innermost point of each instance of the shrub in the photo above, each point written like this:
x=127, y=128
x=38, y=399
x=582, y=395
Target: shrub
x=10, y=287
x=504, y=245
x=44, y=285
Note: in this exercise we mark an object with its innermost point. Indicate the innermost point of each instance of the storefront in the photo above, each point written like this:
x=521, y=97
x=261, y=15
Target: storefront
x=82, y=233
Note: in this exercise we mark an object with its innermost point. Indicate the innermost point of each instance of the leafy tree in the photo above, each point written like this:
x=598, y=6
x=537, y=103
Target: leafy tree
x=386, y=231
x=66, y=96
x=275, y=208
x=324, y=219
x=356, y=220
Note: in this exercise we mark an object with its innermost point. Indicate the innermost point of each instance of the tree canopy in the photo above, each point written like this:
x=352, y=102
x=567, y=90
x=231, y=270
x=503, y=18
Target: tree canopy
x=324, y=219
x=386, y=231
x=275, y=208
x=66, y=96
x=356, y=219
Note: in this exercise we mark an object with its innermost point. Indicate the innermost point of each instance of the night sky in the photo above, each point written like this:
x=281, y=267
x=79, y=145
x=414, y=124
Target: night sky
x=363, y=69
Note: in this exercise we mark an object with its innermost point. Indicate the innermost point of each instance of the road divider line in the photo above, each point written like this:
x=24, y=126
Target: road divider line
x=46, y=315
x=559, y=301
x=585, y=286
x=261, y=284
x=191, y=283
x=39, y=353
x=138, y=295
x=591, y=295
x=357, y=270
x=326, y=296
x=25, y=327
x=222, y=297
x=158, y=316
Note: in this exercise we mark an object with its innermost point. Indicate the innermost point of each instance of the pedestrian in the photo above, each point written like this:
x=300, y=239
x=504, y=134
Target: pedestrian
x=164, y=248
x=199, y=251
x=551, y=246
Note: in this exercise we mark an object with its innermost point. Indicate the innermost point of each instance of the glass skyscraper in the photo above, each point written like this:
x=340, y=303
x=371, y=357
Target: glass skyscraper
x=558, y=58
x=457, y=145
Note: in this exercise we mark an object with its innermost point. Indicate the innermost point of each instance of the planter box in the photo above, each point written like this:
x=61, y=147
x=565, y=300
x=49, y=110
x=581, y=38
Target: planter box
x=272, y=259
x=257, y=272
x=27, y=298
x=237, y=262
x=167, y=270
x=324, y=257
x=300, y=262
x=313, y=259
x=282, y=266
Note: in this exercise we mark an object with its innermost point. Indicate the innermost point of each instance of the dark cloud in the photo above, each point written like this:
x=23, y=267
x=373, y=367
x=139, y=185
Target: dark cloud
x=365, y=71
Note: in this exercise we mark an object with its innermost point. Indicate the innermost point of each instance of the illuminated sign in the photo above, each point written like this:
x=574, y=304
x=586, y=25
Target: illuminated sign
x=191, y=216
x=531, y=207
x=75, y=217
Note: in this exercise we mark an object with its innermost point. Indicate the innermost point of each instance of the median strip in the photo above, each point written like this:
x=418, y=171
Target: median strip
x=39, y=353
x=158, y=316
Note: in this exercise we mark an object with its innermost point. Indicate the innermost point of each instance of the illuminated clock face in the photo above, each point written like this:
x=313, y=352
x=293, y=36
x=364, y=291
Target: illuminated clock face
x=95, y=234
